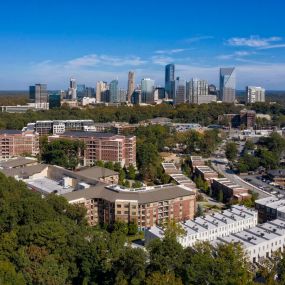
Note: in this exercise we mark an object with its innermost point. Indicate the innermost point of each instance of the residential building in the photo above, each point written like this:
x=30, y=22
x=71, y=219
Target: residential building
x=206, y=173
x=246, y=118
x=146, y=206
x=270, y=208
x=210, y=227
x=103, y=146
x=227, y=85
x=254, y=94
x=131, y=85
x=196, y=161
x=180, y=91
x=170, y=81
x=72, y=90
x=261, y=241
x=16, y=143
x=230, y=190
x=39, y=96
x=122, y=95
x=101, y=88
x=58, y=126
x=147, y=90
x=196, y=88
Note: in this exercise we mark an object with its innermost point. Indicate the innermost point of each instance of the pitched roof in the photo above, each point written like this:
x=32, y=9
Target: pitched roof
x=101, y=191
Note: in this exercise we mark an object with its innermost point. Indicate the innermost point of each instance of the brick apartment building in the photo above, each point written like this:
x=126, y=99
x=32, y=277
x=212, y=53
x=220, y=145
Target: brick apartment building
x=145, y=206
x=206, y=173
x=231, y=191
x=103, y=146
x=15, y=143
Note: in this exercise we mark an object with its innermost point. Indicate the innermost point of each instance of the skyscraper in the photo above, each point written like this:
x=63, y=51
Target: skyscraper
x=81, y=91
x=101, y=88
x=131, y=85
x=227, y=84
x=72, y=90
x=147, y=90
x=180, y=91
x=114, y=91
x=39, y=95
x=196, y=89
x=254, y=94
x=169, y=80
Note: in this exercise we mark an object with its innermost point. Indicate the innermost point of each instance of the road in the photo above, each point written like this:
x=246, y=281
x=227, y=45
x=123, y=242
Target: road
x=219, y=166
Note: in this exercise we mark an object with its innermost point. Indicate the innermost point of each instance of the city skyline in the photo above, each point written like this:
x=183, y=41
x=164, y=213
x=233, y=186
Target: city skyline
x=89, y=49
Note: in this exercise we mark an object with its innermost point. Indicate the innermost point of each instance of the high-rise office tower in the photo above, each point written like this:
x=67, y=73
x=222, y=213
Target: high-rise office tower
x=101, y=88
x=227, y=85
x=123, y=95
x=169, y=81
x=147, y=90
x=131, y=85
x=114, y=91
x=72, y=90
x=180, y=91
x=39, y=95
x=254, y=94
x=81, y=91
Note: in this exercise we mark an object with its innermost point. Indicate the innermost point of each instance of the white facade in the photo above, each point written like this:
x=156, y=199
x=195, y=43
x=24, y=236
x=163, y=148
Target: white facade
x=210, y=227
x=88, y=101
x=255, y=94
x=261, y=241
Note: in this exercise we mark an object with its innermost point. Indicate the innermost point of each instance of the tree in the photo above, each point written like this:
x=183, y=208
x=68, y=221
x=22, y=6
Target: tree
x=133, y=228
x=231, y=151
x=131, y=173
x=109, y=165
x=100, y=163
x=9, y=276
x=117, y=166
x=137, y=184
x=157, y=278
x=122, y=176
x=200, y=211
x=130, y=266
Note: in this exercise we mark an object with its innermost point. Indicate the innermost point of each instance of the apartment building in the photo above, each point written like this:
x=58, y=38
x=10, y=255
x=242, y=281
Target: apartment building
x=270, y=208
x=261, y=241
x=196, y=161
x=59, y=126
x=147, y=206
x=206, y=173
x=16, y=143
x=210, y=227
x=231, y=191
x=103, y=146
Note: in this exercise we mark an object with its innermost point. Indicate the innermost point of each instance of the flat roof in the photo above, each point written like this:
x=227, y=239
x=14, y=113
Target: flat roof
x=24, y=172
x=48, y=186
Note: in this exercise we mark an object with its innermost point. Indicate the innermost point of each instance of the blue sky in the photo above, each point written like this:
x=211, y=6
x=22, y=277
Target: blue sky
x=50, y=41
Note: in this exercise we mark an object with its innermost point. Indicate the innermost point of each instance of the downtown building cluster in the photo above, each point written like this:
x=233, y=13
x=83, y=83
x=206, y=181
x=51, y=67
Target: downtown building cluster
x=176, y=91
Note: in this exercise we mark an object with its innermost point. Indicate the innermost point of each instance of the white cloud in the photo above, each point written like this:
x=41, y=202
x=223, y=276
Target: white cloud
x=94, y=60
x=198, y=39
x=170, y=51
x=234, y=55
x=273, y=46
x=161, y=60
x=252, y=41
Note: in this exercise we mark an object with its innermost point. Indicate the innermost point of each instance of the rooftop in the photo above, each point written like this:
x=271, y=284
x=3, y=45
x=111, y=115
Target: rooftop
x=142, y=195
x=16, y=162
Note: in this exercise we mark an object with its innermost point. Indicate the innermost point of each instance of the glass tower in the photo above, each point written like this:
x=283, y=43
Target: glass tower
x=227, y=85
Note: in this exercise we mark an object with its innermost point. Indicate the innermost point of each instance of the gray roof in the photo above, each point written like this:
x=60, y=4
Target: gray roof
x=17, y=162
x=24, y=172
x=147, y=196
x=82, y=134
x=96, y=172
x=277, y=172
x=10, y=132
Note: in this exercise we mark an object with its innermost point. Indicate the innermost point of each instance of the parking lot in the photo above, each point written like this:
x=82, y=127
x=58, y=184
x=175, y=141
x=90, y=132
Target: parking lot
x=264, y=184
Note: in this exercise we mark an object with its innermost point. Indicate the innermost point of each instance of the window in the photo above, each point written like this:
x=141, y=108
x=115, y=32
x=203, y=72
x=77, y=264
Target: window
x=118, y=212
x=126, y=212
x=119, y=206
